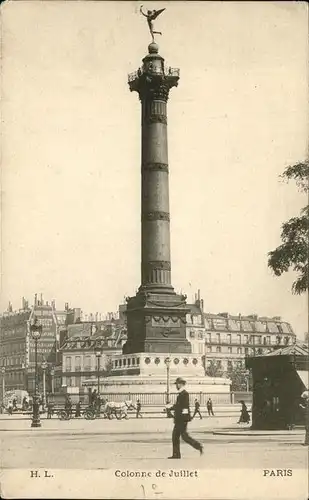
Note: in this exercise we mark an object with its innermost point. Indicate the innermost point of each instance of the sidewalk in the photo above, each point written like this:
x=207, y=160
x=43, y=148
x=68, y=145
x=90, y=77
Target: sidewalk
x=246, y=431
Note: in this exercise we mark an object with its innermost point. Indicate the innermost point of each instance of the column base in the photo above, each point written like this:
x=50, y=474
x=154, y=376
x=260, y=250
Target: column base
x=156, y=322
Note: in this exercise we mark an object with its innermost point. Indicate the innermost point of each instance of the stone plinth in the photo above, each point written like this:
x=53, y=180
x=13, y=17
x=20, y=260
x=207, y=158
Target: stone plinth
x=147, y=373
x=157, y=323
x=154, y=365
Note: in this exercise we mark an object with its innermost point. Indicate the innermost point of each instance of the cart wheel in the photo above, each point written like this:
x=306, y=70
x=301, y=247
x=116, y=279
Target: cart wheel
x=119, y=415
x=110, y=416
x=62, y=415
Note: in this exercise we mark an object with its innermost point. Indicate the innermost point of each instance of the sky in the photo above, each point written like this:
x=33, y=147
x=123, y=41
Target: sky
x=70, y=174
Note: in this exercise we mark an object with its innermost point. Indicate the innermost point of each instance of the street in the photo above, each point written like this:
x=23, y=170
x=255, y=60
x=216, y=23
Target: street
x=101, y=444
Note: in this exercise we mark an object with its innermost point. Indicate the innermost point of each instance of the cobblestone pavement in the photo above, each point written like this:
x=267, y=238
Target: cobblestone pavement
x=100, y=444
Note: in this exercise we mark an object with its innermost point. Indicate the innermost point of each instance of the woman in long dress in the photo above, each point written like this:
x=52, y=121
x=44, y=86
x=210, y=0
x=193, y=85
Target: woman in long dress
x=244, y=414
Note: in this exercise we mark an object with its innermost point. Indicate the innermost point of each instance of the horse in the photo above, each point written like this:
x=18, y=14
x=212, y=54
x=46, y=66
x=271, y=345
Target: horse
x=118, y=409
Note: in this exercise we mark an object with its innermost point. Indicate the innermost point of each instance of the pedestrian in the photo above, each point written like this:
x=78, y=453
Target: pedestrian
x=50, y=409
x=77, y=410
x=305, y=406
x=138, y=409
x=14, y=404
x=68, y=406
x=89, y=396
x=209, y=407
x=244, y=414
x=10, y=408
x=196, y=409
x=181, y=411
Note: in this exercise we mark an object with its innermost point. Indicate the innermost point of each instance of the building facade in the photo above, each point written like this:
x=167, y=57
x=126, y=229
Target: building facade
x=17, y=347
x=226, y=340
x=79, y=360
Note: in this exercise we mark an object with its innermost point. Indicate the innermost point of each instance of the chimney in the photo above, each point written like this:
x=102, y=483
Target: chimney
x=53, y=304
x=35, y=299
x=42, y=303
x=202, y=305
x=77, y=312
x=199, y=294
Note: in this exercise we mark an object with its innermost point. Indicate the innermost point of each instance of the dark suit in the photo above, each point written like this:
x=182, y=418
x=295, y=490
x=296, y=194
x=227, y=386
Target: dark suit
x=197, y=410
x=181, y=418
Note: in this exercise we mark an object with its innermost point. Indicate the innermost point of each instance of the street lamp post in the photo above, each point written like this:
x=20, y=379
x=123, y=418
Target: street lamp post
x=52, y=374
x=44, y=366
x=36, y=331
x=167, y=362
x=98, y=353
x=247, y=374
x=3, y=381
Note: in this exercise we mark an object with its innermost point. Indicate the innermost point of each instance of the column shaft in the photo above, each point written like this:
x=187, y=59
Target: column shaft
x=156, y=258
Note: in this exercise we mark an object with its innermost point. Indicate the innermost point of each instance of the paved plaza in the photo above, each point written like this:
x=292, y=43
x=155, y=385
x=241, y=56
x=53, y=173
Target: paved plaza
x=101, y=444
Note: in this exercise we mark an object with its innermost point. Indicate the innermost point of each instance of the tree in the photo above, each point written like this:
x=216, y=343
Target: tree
x=293, y=252
x=239, y=377
x=213, y=369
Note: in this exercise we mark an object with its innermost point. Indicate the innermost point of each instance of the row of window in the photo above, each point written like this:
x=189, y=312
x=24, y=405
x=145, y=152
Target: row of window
x=194, y=319
x=68, y=363
x=247, y=326
x=12, y=348
x=229, y=349
x=238, y=350
x=220, y=363
x=246, y=339
x=18, y=376
x=44, y=321
x=73, y=381
x=16, y=361
x=14, y=332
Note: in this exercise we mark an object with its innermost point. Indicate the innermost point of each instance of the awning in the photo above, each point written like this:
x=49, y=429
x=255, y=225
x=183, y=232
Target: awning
x=303, y=375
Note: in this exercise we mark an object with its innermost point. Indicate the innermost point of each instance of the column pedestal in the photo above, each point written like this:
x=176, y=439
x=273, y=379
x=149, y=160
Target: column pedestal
x=157, y=323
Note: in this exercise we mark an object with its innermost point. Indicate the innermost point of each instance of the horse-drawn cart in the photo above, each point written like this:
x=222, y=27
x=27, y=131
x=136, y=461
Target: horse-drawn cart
x=109, y=410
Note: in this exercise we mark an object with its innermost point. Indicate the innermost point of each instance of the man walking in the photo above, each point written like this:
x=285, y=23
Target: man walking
x=196, y=409
x=138, y=409
x=209, y=407
x=181, y=418
x=68, y=406
x=50, y=409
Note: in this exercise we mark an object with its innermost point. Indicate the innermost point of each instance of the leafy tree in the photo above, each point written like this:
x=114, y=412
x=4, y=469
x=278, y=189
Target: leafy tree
x=293, y=252
x=213, y=369
x=238, y=376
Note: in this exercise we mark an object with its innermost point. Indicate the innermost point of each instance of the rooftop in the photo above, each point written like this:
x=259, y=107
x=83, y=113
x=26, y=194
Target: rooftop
x=297, y=349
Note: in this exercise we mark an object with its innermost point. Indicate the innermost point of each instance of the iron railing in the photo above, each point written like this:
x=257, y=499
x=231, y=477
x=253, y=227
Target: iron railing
x=167, y=71
x=159, y=399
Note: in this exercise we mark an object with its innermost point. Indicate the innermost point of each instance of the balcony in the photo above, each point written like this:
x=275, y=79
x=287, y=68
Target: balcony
x=155, y=73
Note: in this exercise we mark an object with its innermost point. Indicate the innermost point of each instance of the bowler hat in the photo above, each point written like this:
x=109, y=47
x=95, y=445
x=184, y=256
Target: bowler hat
x=180, y=380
